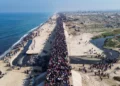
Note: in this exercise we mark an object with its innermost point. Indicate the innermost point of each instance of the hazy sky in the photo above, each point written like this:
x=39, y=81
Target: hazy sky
x=57, y=5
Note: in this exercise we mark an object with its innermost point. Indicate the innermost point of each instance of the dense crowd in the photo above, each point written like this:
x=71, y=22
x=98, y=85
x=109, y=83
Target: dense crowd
x=100, y=69
x=58, y=72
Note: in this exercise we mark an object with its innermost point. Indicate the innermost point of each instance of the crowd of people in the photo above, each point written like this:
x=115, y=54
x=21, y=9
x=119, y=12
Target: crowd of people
x=59, y=71
x=100, y=69
x=1, y=74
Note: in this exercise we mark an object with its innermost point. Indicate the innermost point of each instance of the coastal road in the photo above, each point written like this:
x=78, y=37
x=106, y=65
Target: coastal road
x=22, y=55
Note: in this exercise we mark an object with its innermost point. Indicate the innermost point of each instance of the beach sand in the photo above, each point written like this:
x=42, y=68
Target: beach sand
x=39, y=42
x=89, y=79
x=12, y=77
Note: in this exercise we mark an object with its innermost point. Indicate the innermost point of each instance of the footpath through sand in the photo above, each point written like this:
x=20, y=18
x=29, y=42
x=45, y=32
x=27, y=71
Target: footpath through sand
x=76, y=77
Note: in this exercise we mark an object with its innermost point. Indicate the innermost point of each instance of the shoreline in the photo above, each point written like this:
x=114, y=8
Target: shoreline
x=22, y=39
x=35, y=34
x=27, y=73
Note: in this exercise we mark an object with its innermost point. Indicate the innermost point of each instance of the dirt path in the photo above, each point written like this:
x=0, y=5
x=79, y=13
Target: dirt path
x=77, y=80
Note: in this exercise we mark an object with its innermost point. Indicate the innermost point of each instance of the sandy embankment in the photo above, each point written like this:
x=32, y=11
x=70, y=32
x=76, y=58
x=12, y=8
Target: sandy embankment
x=77, y=48
x=80, y=44
x=15, y=77
x=40, y=41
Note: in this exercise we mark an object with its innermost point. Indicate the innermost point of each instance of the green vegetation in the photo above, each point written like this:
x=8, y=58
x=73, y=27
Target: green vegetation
x=108, y=33
x=118, y=46
x=110, y=43
x=96, y=37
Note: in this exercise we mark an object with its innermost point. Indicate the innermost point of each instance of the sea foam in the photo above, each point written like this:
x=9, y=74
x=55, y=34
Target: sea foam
x=7, y=51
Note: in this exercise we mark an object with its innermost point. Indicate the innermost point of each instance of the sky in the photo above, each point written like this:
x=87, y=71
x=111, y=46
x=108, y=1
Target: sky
x=57, y=5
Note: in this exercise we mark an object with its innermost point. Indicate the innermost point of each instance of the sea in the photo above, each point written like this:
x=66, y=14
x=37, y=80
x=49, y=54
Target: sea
x=15, y=26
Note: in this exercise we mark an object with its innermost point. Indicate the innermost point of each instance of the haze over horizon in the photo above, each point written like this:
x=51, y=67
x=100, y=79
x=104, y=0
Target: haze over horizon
x=55, y=5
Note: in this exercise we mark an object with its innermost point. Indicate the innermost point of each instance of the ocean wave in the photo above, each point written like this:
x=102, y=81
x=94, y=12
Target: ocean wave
x=7, y=51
